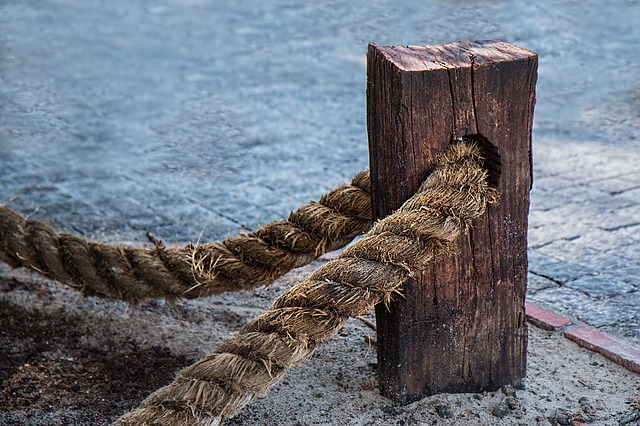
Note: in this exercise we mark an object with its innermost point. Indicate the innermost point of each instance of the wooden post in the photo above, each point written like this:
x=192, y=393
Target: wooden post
x=460, y=327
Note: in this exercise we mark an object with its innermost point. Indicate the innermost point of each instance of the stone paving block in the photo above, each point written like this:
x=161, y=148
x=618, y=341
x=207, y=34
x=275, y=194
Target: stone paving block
x=543, y=202
x=619, y=185
x=600, y=286
x=544, y=185
x=632, y=231
x=566, y=215
x=604, y=240
x=559, y=271
x=534, y=257
x=566, y=250
x=623, y=220
x=617, y=311
x=228, y=204
x=611, y=263
x=87, y=219
x=631, y=252
x=541, y=235
x=580, y=195
x=630, y=195
x=619, y=314
x=607, y=204
x=632, y=177
x=192, y=221
x=578, y=260
x=563, y=300
x=535, y=283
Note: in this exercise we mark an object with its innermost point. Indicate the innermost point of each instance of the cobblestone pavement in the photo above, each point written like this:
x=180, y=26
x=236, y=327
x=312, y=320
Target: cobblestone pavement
x=199, y=119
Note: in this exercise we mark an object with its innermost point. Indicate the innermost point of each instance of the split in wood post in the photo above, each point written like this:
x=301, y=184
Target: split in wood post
x=461, y=325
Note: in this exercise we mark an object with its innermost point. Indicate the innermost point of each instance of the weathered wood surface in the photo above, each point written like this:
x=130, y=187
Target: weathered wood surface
x=460, y=326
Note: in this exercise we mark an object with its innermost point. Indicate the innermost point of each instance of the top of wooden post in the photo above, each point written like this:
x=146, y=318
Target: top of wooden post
x=459, y=54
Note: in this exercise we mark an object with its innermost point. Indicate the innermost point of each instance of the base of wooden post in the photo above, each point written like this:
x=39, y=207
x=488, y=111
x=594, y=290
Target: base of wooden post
x=460, y=326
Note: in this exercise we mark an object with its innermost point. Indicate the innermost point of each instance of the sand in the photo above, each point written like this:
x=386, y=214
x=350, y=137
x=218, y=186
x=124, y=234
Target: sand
x=83, y=361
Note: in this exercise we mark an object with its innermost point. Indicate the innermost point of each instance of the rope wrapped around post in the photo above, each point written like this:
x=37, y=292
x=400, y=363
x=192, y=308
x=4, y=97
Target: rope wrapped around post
x=238, y=263
x=368, y=272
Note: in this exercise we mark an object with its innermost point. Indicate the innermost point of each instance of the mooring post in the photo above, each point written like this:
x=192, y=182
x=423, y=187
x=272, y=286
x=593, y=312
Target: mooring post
x=460, y=326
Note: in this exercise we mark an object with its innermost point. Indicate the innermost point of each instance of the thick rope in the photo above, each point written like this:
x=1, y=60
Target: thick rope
x=369, y=271
x=237, y=263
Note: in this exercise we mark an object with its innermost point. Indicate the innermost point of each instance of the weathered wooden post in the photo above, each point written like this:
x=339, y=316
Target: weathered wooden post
x=460, y=326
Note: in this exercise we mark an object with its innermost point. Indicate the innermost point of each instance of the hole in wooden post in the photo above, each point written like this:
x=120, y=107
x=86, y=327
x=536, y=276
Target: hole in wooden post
x=491, y=157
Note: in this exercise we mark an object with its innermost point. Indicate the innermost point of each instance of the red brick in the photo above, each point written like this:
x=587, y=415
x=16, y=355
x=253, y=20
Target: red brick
x=619, y=352
x=544, y=319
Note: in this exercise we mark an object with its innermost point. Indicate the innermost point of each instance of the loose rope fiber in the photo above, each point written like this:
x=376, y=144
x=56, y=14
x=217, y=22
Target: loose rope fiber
x=237, y=263
x=369, y=271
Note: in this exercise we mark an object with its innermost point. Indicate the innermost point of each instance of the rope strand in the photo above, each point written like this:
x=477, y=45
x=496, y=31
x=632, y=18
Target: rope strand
x=238, y=263
x=368, y=272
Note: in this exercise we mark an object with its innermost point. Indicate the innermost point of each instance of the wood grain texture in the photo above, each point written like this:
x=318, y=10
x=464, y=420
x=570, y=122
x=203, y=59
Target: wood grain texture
x=460, y=326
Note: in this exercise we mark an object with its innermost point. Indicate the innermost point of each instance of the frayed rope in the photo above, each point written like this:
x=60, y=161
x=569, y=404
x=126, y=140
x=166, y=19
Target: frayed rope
x=197, y=270
x=368, y=272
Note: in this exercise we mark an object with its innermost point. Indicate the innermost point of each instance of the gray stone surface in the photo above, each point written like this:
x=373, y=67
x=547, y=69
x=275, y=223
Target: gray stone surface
x=199, y=119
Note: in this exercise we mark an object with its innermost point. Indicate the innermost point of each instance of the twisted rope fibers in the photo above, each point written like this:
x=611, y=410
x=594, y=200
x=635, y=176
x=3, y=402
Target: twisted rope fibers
x=238, y=263
x=369, y=271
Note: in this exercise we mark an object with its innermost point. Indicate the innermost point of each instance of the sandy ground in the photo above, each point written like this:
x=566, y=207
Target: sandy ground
x=75, y=361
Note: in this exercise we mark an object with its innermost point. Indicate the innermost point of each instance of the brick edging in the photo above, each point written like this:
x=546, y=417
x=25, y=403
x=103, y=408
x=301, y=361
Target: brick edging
x=586, y=337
